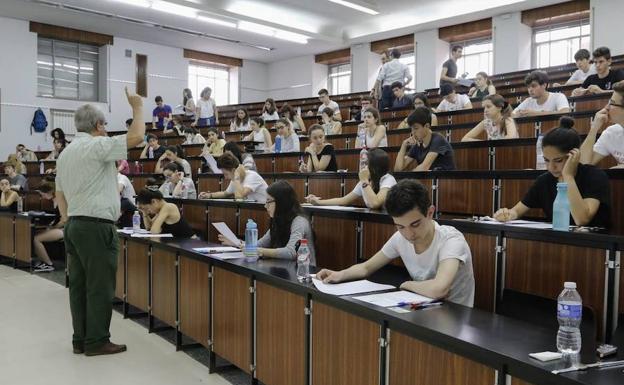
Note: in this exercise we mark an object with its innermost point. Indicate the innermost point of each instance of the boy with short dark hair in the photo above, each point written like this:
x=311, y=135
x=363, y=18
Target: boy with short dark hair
x=540, y=101
x=604, y=78
x=401, y=99
x=161, y=115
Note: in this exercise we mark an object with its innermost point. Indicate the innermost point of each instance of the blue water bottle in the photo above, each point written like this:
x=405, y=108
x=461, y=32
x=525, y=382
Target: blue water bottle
x=251, y=241
x=278, y=144
x=561, y=209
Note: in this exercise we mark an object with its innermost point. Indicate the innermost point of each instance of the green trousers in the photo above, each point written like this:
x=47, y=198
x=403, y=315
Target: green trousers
x=92, y=249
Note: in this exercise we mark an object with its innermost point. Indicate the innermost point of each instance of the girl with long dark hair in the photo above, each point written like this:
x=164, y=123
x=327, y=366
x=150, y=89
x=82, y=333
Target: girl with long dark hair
x=160, y=216
x=498, y=123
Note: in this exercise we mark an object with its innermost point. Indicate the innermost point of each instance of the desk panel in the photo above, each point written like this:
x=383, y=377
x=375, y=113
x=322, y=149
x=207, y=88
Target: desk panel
x=260, y=216
x=482, y=248
x=281, y=337
x=345, y=348
x=458, y=133
x=23, y=239
x=325, y=187
x=474, y=158
x=194, y=300
x=209, y=184
x=7, y=236
x=221, y=214
x=515, y=157
x=513, y=190
x=264, y=164
x=335, y=242
x=287, y=162
x=465, y=196
x=298, y=184
x=196, y=214
x=164, y=277
x=137, y=262
x=410, y=359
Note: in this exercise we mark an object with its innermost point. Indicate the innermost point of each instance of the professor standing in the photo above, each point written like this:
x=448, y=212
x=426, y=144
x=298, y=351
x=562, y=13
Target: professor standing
x=86, y=188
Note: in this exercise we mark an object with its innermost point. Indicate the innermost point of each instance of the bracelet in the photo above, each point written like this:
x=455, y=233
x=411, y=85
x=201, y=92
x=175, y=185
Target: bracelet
x=365, y=184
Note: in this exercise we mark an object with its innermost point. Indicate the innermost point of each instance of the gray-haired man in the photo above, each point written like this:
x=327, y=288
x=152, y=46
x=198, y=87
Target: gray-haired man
x=86, y=188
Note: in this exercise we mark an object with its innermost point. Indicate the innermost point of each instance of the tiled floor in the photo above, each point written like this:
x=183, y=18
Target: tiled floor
x=35, y=343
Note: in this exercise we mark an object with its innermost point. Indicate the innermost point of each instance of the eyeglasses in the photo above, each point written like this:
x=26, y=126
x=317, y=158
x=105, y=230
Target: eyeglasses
x=611, y=103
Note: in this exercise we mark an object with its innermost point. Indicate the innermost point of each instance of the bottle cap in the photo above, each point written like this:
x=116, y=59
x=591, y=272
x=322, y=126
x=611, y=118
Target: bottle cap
x=303, y=242
x=569, y=285
x=562, y=184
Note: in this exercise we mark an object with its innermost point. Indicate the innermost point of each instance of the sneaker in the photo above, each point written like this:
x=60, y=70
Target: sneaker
x=43, y=268
x=37, y=264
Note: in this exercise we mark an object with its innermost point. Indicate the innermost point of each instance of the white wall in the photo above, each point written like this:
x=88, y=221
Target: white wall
x=511, y=41
x=606, y=25
x=299, y=77
x=430, y=53
x=364, y=67
x=254, y=81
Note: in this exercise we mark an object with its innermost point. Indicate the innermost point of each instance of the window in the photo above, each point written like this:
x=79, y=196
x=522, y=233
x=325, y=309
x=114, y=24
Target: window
x=67, y=70
x=339, y=79
x=409, y=59
x=556, y=44
x=476, y=57
x=216, y=77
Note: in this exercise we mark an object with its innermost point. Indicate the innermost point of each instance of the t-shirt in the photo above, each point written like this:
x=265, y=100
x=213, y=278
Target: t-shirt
x=444, y=160
x=580, y=76
x=451, y=72
x=333, y=105
x=406, y=101
x=188, y=189
x=611, y=142
x=448, y=243
x=186, y=166
x=591, y=182
x=329, y=150
x=19, y=180
x=460, y=101
x=289, y=144
x=266, y=116
x=555, y=102
x=255, y=183
x=128, y=190
x=157, y=152
x=215, y=148
x=605, y=83
x=161, y=113
x=386, y=181
x=206, y=108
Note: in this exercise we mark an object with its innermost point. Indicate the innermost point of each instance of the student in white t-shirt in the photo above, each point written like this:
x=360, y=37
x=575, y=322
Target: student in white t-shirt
x=323, y=95
x=452, y=101
x=244, y=184
x=611, y=141
x=269, y=111
x=125, y=188
x=207, y=113
x=437, y=257
x=585, y=68
x=373, y=187
x=540, y=101
x=288, y=137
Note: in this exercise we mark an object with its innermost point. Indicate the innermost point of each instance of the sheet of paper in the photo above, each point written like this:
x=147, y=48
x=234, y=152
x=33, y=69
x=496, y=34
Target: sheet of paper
x=226, y=232
x=214, y=250
x=393, y=298
x=516, y=222
x=212, y=163
x=341, y=208
x=354, y=287
x=238, y=254
x=465, y=82
x=149, y=235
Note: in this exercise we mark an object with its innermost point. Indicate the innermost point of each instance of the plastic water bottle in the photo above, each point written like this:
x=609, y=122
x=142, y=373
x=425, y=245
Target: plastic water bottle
x=363, y=158
x=136, y=221
x=41, y=168
x=137, y=167
x=561, y=209
x=539, y=160
x=251, y=241
x=20, y=205
x=150, y=152
x=569, y=315
x=278, y=144
x=303, y=261
x=361, y=134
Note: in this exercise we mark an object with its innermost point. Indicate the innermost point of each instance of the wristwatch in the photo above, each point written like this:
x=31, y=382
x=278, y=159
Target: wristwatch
x=365, y=184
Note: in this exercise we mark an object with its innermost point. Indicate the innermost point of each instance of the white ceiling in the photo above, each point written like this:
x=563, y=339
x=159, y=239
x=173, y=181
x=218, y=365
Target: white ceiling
x=330, y=26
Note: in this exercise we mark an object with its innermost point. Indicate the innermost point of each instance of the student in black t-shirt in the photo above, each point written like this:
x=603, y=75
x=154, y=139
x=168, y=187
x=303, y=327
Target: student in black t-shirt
x=424, y=150
x=321, y=156
x=604, y=78
x=449, y=68
x=588, y=187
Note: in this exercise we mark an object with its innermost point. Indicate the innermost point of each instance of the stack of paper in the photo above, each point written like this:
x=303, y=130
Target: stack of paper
x=354, y=287
x=215, y=250
x=394, y=298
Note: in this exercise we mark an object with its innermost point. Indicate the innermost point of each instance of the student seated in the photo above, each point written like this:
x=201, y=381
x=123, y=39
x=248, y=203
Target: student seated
x=177, y=128
x=161, y=115
x=176, y=184
x=152, y=149
x=374, y=184
x=125, y=188
x=244, y=158
x=604, y=78
x=241, y=121
x=259, y=133
x=193, y=136
x=611, y=141
x=173, y=154
x=585, y=68
x=288, y=226
x=321, y=154
x=588, y=187
x=483, y=87
x=53, y=232
x=401, y=99
x=161, y=217
x=365, y=103
x=213, y=145
x=123, y=167
x=452, y=101
x=25, y=155
x=498, y=123
x=244, y=184
x=295, y=119
x=288, y=137
x=424, y=150
x=420, y=100
x=540, y=101
x=323, y=95
x=437, y=257
x=17, y=181
x=269, y=111
x=330, y=126
x=58, y=146
x=8, y=196
x=371, y=133
x=18, y=166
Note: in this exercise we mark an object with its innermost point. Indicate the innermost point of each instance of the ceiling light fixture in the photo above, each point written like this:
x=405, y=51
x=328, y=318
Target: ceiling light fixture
x=137, y=3
x=273, y=32
x=212, y=20
x=359, y=6
x=175, y=9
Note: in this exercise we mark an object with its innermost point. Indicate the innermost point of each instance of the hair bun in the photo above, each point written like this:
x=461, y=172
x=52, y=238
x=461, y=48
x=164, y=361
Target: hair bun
x=566, y=122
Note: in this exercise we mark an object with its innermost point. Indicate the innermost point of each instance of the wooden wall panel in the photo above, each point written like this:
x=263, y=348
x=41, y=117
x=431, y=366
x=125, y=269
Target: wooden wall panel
x=403, y=43
x=482, y=248
x=23, y=239
x=232, y=318
x=209, y=184
x=472, y=158
x=515, y=157
x=325, y=188
x=196, y=214
x=141, y=75
x=345, y=350
x=7, y=236
x=556, y=13
x=281, y=337
x=221, y=214
x=264, y=164
x=298, y=184
x=334, y=57
x=287, y=162
x=137, y=255
x=411, y=359
x=465, y=196
x=466, y=31
x=164, y=281
x=194, y=300
x=120, y=288
x=213, y=58
x=335, y=242
x=69, y=34
x=348, y=161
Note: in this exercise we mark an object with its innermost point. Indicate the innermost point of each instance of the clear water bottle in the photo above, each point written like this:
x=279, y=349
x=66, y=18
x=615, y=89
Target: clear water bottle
x=361, y=134
x=41, y=168
x=363, y=158
x=303, y=262
x=251, y=241
x=150, y=153
x=20, y=204
x=561, y=209
x=539, y=160
x=137, y=167
x=278, y=144
x=569, y=315
x=136, y=221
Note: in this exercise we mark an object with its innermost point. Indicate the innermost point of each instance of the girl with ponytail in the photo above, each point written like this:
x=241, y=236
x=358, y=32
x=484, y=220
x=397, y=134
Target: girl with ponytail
x=498, y=123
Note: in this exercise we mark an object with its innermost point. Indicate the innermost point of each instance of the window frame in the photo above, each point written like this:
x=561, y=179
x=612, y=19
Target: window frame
x=330, y=87
x=466, y=43
x=212, y=66
x=550, y=27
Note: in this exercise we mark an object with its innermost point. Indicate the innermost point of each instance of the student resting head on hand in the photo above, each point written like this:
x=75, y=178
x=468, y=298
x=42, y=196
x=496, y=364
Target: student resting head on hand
x=321, y=155
x=244, y=184
x=161, y=217
x=498, y=123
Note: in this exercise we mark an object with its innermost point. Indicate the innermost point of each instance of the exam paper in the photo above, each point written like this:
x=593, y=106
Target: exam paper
x=234, y=255
x=150, y=235
x=394, y=298
x=226, y=232
x=212, y=163
x=354, y=287
x=218, y=249
x=517, y=222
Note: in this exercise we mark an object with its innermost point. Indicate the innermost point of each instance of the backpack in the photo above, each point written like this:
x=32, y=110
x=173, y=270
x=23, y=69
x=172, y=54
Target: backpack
x=39, y=122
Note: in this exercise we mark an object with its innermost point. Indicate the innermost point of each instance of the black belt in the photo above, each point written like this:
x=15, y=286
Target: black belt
x=93, y=219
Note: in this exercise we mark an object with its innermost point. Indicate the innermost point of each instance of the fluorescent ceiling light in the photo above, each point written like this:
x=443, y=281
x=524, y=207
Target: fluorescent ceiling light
x=273, y=32
x=175, y=9
x=276, y=14
x=356, y=6
x=216, y=21
x=138, y=3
